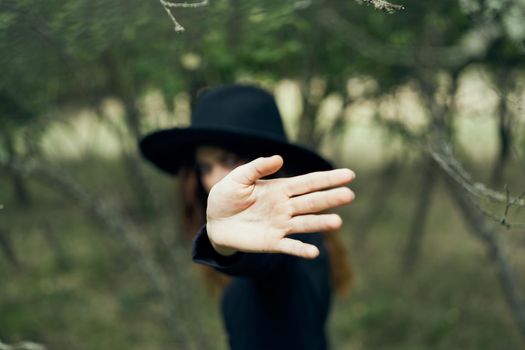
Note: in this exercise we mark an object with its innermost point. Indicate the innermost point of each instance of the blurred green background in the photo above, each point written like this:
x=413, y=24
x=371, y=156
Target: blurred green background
x=426, y=105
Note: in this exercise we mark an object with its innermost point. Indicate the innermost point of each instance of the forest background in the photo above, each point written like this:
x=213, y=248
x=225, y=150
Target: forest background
x=425, y=103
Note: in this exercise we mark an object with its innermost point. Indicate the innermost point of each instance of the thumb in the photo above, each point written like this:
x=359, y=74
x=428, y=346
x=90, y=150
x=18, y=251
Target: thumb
x=250, y=172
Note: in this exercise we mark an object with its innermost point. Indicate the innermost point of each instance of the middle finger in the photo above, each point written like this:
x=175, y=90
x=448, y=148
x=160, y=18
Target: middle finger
x=318, y=180
x=318, y=201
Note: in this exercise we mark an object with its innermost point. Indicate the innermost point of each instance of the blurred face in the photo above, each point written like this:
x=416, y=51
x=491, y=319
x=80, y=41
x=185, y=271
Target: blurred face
x=214, y=163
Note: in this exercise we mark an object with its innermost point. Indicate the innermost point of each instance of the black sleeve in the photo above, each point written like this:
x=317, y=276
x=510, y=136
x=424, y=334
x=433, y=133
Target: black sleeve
x=256, y=265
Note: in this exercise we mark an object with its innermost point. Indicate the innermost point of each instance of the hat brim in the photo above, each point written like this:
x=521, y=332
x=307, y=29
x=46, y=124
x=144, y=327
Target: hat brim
x=169, y=149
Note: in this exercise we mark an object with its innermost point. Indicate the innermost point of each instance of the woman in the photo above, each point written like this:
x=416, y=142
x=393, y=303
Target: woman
x=258, y=225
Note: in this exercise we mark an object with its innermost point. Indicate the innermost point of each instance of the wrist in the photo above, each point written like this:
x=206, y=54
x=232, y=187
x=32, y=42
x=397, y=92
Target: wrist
x=222, y=250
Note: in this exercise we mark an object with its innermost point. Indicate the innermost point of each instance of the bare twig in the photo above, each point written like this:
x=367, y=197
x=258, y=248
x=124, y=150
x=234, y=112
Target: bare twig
x=372, y=47
x=24, y=345
x=169, y=5
x=384, y=5
x=502, y=220
x=184, y=4
x=442, y=154
x=510, y=202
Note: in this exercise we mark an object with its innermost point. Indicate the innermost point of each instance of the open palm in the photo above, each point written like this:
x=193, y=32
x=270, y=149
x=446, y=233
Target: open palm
x=248, y=214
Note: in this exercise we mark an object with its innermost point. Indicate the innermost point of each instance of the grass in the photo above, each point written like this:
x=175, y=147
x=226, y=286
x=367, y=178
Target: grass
x=450, y=300
x=101, y=300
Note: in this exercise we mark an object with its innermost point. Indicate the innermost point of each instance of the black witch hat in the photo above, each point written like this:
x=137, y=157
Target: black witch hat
x=237, y=117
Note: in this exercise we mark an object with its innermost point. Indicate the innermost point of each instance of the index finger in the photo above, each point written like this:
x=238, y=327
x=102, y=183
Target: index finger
x=318, y=180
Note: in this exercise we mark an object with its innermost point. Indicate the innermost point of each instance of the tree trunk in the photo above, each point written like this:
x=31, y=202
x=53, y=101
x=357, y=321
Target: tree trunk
x=7, y=247
x=307, y=127
x=382, y=192
x=413, y=246
x=505, y=138
x=21, y=192
x=56, y=246
x=478, y=225
x=307, y=130
x=123, y=84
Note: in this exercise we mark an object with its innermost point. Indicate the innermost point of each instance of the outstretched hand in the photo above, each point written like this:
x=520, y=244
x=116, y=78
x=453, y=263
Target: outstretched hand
x=248, y=214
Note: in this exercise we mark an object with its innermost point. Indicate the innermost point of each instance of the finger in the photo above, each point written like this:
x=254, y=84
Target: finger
x=318, y=180
x=297, y=248
x=250, y=172
x=314, y=223
x=318, y=201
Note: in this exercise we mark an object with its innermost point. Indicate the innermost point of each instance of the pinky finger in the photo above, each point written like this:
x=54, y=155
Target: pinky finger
x=297, y=248
x=315, y=223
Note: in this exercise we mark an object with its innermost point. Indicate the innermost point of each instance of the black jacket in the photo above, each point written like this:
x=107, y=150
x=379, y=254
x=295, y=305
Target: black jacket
x=274, y=301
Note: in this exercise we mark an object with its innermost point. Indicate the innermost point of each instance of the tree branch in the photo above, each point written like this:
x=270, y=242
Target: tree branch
x=169, y=5
x=442, y=154
x=24, y=345
x=479, y=227
x=383, y=5
x=408, y=56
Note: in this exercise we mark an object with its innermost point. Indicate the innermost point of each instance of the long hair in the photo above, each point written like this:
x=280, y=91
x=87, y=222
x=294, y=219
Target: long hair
x=194, y=216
